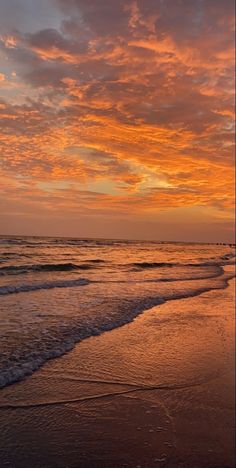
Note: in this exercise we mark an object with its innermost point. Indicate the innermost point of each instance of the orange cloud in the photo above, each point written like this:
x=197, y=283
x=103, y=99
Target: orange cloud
x=135, y=114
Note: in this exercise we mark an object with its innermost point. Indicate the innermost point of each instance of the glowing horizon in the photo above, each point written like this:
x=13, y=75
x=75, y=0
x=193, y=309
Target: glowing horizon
x=117, y=119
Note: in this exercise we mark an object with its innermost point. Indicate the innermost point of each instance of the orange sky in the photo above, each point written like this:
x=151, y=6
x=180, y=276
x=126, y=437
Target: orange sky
x=117, y=118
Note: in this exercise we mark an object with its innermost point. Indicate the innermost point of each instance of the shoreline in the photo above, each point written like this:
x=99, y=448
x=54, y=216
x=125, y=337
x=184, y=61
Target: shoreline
x=192, y=426
x=222, y=279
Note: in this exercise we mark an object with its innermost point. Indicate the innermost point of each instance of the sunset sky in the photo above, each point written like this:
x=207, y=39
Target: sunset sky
x=117, y=118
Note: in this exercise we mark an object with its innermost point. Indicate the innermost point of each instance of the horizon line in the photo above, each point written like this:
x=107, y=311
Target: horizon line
x=120, y=239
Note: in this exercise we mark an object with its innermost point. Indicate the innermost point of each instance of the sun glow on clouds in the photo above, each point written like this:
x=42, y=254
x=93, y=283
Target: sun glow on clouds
x=123, y=111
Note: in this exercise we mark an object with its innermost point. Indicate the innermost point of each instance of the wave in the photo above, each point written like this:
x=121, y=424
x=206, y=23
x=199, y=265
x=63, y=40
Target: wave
x=18, y=269
x=212, y=272
x=11, y=289
x=226, y=259
x=11, y=254
x=96, y=260
x=57, y=242
x=228, y=256
x=11, y=240
x=61, y=336
x=145, y=265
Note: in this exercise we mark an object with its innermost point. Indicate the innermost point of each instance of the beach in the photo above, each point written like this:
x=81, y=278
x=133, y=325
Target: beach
x=155, y=390
x=117, y=239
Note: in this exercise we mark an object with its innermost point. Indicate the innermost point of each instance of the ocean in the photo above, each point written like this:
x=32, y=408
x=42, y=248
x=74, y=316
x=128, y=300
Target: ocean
x=55, y=292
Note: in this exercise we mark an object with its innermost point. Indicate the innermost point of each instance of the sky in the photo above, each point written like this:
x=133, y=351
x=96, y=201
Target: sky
x=117, y=119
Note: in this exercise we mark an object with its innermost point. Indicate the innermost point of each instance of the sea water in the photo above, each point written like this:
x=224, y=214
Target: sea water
x=55, y=292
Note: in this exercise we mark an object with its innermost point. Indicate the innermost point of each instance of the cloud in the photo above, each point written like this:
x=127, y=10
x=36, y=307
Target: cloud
x=132, y=97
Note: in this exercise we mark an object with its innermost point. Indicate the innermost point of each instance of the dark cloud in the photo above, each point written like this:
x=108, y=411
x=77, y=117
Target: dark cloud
x=103, y=18
x=51, y=38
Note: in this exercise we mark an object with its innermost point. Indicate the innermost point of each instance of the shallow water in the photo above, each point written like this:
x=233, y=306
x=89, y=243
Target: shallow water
x=158, y=391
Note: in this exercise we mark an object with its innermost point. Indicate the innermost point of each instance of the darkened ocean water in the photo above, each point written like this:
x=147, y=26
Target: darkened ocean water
x=55, y=292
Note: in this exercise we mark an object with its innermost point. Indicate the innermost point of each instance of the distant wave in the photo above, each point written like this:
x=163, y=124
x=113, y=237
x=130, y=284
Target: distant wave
x=11, y=289
x=144, y=265
x=96, y=260
x=224, y=260
x=91, y=264
x=17, y=269
x=57, y=242
x=228, y=256
x=11, y=254
x=11, y=240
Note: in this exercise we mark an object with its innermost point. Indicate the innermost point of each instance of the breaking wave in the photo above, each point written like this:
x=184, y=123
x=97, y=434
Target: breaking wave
x=12, y=289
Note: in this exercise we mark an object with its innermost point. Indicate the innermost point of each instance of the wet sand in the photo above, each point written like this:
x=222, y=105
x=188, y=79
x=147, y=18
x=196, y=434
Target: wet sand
x=158, y=392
